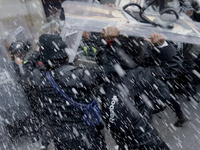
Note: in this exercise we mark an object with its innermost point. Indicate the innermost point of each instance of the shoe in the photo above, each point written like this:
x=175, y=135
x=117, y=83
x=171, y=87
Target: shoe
x=181, y=121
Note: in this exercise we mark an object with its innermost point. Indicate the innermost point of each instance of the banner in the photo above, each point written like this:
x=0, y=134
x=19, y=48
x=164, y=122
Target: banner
x=14, y=104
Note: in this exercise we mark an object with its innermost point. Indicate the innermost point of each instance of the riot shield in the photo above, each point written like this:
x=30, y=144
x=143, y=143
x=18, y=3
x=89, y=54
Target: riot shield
x=50, y=27
x=121, y=3
x=2, y=35
x=17, y=30
x=72, y=37
x=13, y=102
x=91, y=17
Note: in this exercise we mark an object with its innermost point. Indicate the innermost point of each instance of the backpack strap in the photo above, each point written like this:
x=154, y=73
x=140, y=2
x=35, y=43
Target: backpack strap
x=92, y=114
x=67, y=98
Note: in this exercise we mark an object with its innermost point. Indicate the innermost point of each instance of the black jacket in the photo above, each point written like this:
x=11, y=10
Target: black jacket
x=79, y=84
x=144, y=67
x=127, y=125
x=163, y=62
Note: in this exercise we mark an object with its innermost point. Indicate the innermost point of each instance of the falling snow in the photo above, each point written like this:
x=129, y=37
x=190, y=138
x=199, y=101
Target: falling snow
x=128, y=99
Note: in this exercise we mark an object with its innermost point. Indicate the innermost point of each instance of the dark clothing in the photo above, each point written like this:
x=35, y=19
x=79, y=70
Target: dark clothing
x=66, y=120
x=127, y=125
x=162, y=62
x=69, y=130
x=153, y=65
x=87, y=139
x=148, y=73
x=89, y=47
x=162, y=5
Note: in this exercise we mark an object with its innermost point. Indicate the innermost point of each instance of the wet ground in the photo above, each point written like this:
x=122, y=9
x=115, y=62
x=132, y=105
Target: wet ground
x=186, y=137
x=183, y=138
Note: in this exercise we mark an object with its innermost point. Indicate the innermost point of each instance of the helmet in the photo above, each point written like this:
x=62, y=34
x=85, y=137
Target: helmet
x=18, y=48
x=186, y=7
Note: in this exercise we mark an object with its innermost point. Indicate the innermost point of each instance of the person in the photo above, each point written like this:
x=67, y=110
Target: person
x=161, y=4
x=196, y=13
x=186, y=7
x=16, y=102
x=17, y=51
x=186, y=78
x=69, y=130
x=38, y=129
x=156, y=66
x=89, y=46
x=125, y=136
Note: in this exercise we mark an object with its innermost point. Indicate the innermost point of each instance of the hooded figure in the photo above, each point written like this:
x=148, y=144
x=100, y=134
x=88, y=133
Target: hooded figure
x=51, y=47
x=68, y=129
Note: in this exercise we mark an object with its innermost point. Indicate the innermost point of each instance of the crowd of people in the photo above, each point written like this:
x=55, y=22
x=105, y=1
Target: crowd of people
x=125, y=82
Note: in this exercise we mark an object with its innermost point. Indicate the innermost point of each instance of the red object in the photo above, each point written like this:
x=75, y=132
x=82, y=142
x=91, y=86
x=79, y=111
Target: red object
x=40, y=63
x=109, y=42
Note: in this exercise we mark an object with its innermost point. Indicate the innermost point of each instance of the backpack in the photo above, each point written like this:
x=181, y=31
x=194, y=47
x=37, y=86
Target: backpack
x=92, y=114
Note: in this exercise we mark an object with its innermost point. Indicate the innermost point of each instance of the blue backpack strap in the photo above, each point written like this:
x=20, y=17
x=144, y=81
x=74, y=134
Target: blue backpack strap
x=67, y=98
x=92, y=114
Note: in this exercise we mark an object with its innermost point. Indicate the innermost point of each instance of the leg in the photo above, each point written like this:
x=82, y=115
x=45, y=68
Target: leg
x=125, y=122
x=179, y=113
x=163, y=94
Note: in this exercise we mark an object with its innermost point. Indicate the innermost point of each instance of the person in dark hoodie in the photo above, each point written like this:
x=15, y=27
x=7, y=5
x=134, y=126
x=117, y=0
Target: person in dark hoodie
x=156, y=65
x=68, y=129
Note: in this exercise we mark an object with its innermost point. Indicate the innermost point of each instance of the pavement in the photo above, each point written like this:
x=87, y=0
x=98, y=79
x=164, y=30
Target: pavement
x=186, y=137
x=183, y=138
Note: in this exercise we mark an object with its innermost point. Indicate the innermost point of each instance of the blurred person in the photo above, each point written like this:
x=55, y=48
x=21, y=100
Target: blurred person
x=186, y=78
x=161, y=4
x=196, y=12
x=39, y=130
x=186, y=7
x=156, y=62
x=132, y=84
x=69, y=130
x=89, y=46
x=17, y=51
